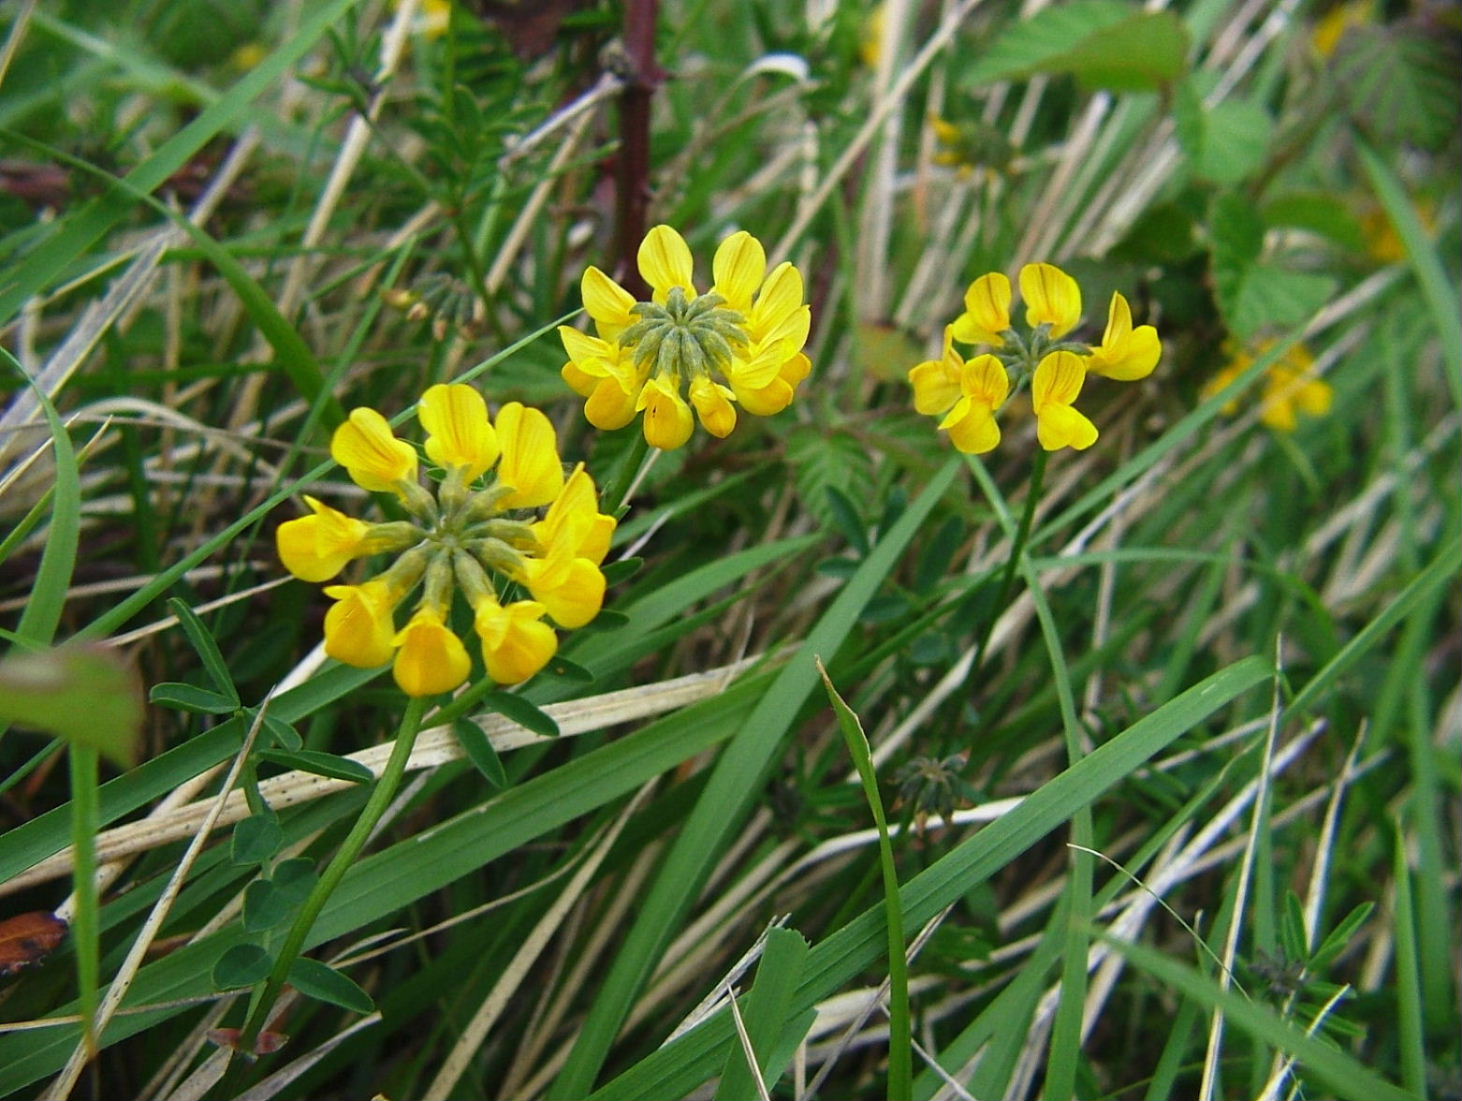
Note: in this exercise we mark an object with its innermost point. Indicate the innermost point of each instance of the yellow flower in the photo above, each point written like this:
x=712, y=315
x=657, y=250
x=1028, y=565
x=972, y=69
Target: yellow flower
x=530, y=462
x=358, y=627
x=459, y=433
x=936, y=381
x=1054, y=387
x=431, y=658
x=749, y=329
x=987, y=311
x=373, y=457
x=1051, y=298
x=668, y=423
x=1125, y=353
x=875, y=30
x=1331, y=27
x=516, y=643
x=501, y=514
x=984, y=384
x=316, y=548
x=1290, y=387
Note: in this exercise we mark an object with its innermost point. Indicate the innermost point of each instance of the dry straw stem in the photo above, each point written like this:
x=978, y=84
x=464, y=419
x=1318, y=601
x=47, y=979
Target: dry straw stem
x=437, y=746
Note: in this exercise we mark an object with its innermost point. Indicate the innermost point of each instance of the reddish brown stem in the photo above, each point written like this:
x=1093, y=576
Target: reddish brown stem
x=633, y=184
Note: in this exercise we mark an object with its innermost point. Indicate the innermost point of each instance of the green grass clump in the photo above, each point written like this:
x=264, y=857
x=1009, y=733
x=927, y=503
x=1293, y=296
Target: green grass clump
x=1145, y=755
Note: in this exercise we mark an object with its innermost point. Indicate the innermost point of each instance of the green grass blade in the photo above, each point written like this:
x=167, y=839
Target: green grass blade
x=900, y=1054
x=1411, y=1030
x=768, y=1014
x=1342, y=1075
x=82, y=230
x=727, y=797
x=680, y=1066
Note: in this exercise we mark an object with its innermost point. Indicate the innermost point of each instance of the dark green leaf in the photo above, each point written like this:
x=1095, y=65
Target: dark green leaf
x=845, y=518
x=295, y=878
x=321, y=764
x=256, y=839
x=1235, y=142
x=1292, y=936
x=568, y=670
x=1341, y=936
x=1400, y=83
x=189, y=697
x=1103, y=43
x=478, y=748
x=321, y=981
x=284, y=734
x=203, y=642
x=1319, y=212
x=522, y=712
x=265, y=906
x=241, y=965
x=622, y=570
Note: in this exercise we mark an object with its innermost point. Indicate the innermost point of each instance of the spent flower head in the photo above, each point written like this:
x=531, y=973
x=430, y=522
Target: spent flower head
x=738, y=343
x=966, y=395
x=500, y=521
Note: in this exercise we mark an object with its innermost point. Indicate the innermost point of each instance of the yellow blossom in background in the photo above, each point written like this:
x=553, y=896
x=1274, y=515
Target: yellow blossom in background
x=502, y=517
x=1331, y=27
x=968, y=395
x=1290, y=387
x=875, y=30
x=739, y=343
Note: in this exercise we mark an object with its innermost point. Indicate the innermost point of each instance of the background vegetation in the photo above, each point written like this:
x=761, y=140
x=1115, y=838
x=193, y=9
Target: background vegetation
x=1174, y=815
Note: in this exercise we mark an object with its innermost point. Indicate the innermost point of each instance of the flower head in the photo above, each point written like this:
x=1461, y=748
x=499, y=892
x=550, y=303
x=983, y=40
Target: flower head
x=1291, y=387
x=967, y=395
x=503, y=516
x=740, y=342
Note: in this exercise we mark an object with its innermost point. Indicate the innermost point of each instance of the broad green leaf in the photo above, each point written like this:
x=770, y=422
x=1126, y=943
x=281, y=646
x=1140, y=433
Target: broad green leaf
x=82, y=693
x=256, y=839
x=1320, y=212
x=1235, y=142
x=1142, y=53
x=1399, y=84
x=265, y=907
x=769, y=1022
x=1261, y=297
x=241, y=965
x=321, y=981
x=1039, y=43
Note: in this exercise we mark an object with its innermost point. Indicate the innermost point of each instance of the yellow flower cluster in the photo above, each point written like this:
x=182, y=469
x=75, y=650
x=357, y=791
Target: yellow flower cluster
x=1290, y=387
x=502, y=509
x=968, y=394
x=748, y=329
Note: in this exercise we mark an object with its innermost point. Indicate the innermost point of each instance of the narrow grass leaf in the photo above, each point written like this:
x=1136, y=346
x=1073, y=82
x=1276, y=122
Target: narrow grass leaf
x=1411, y=1028
x=206, y=648
x=768, y=1014
x=900, y=1054
x=1342, y=1075
x=321, y=764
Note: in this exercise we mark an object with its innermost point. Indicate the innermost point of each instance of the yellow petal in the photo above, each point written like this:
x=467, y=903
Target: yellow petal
x=572, y=592
x=765, y=401
x=665, y=262
x=713, y=402
x=1059, y=426
x=986, y=381
x=515, y=641
x=607, y=303
x=1057, y=380
x=458, y=431
x=610, y=405
x=592, y=355
x=431, y=658
x=1051, y=298
x=987, y=306
x=580, y=381
x=1125, y=354
x=358, y=627
x=936, y=387
x=530, y=462
x=317, y=547
x=668, y=420
x=373, y=457
x=976, y=433
x=781, y=296
x=738, y=269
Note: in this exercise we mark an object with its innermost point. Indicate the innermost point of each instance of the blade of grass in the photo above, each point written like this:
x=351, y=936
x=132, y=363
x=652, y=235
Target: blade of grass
x=678, y=1067
x=900, y=1056
x=1411, y=1031
x=1343, y=1076
x=81, y=230
x=768, y=1013
x=727, y=798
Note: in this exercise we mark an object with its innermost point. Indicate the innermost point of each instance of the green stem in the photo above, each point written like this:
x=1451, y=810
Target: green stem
x=629, y=467
x=84, y=928
x=370, y=814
